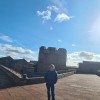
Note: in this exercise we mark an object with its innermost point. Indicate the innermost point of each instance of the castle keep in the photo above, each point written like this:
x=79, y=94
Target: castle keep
x=51, y=55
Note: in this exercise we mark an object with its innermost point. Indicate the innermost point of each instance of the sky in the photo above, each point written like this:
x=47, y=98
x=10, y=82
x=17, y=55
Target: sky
x=26, y=25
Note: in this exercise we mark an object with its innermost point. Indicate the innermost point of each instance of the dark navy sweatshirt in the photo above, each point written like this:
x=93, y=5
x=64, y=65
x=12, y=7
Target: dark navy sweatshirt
x=51, y=77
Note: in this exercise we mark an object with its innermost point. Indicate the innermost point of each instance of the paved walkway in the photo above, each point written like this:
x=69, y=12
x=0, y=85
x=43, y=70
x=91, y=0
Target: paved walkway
x=74, y=87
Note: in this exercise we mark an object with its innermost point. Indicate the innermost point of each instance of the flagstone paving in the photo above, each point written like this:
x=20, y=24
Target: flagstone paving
x=74, y=87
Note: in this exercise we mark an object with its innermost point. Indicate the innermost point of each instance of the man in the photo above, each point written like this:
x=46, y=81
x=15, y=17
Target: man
x=51, y=79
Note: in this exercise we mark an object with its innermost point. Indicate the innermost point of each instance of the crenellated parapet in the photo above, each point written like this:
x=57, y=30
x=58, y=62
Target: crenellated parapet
x=43, y=49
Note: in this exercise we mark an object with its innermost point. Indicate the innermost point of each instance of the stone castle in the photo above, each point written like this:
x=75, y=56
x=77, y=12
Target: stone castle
x=49, y=56
x=46, y=57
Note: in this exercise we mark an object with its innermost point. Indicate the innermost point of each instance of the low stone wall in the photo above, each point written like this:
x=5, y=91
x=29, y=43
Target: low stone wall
x=98, y=74
x=66, y=71
x=65, y=74
x=18, y=80
x=36, y=80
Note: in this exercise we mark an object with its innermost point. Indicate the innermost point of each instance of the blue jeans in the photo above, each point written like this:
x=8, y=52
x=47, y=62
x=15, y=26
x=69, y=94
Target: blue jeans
x=50, y=87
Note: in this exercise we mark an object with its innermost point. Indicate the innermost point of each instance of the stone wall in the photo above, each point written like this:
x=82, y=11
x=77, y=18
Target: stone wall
x=9, y=77
x=51, y=55
x=22, y=66
x=4, y=80
x=7, y=61
x=19, y=65
x=89, y=67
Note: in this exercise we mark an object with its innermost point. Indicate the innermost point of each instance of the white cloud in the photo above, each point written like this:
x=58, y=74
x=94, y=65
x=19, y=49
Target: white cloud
x=17, y=52
x=60, y=41
x=71, y=62
x=61, y=4
x=46, y=15
x=27, y=57
x=6, y=38
x=62, y=17
x=86, y=55
x=53, y=8
x=11, y=54
x=58, y=10
x=10, y=48
x=74, y=58
x=9, y=39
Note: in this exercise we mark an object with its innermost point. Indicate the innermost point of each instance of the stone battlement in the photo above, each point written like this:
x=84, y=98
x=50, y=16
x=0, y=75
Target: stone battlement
x=43, y=49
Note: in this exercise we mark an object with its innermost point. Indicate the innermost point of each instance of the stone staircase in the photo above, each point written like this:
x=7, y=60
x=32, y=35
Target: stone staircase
x=9, y=77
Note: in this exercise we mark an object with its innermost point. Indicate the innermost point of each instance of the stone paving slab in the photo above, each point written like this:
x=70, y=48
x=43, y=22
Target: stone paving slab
x=74, y=87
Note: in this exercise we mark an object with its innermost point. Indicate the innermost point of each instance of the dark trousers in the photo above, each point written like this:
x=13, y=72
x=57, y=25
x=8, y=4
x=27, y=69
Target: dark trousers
x=50, y=88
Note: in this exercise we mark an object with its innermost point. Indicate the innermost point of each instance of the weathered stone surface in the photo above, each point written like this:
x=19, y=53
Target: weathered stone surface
x=22, y=66
x=89, y=67
x=7, y=61
x=4, y=80
x=9, y=77
x=75, y=87
x=51, y=56
x=19, y=65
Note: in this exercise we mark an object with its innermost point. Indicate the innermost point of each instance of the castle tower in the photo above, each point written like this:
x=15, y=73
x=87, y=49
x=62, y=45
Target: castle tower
x=51, y=56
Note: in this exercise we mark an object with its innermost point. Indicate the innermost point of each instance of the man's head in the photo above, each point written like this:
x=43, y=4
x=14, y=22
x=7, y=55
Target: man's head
x=52, y=67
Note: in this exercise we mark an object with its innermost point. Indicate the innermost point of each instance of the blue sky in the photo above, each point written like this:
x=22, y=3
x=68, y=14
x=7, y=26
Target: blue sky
x=25, y=25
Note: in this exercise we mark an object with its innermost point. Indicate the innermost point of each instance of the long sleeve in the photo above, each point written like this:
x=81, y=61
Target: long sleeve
x=56, y=77
x=45, y=77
